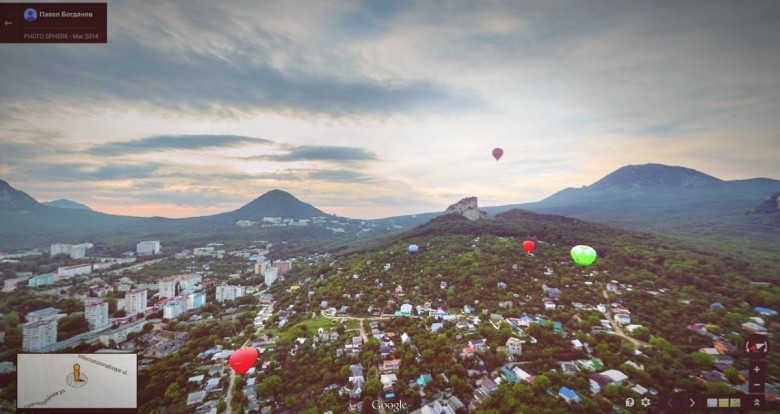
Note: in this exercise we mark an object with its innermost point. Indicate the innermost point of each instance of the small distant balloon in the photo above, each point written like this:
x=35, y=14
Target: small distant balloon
x=243, y=359
x=529, y=246
x=413, y=249
x=497, y=153
x=583, y=255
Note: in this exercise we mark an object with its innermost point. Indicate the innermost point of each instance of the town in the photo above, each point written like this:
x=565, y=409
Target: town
x=377, y=339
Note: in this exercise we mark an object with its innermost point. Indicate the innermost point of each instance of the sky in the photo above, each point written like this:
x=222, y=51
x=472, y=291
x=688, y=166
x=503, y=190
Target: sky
x=371, y=109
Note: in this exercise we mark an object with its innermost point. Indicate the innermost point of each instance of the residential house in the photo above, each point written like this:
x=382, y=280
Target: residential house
x=468, y=309
x=467, y=353
x=712, y=376
x=388, y=381
x=406, y=309
x=765, y=311
x=699, y=328
x=569, y=395
x=623, y=318
x=724, y=359
x=478, y=344
x=436, y=326
x=618, y=378
x=488, y=385
x=391, y=365
x=601, y=380
x=514, y=346
x=424, y=380
x=501, y=285
x=549, y=305
x=755, y=328
x=595, y=387
x=576, y=344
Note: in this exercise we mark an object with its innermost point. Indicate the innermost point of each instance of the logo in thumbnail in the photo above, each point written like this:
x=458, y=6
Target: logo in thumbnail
x=30, y=15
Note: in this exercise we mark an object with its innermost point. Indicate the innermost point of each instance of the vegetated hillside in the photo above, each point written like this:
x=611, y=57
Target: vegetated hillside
x=666, y=286
x=63, y=203
x=676, y=202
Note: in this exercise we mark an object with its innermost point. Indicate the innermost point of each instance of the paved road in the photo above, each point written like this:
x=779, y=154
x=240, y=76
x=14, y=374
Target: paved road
x=618, y=329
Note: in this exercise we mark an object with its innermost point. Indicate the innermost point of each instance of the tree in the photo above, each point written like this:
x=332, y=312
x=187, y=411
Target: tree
x=732, y=374
x=611, y=391
x=702, y=360
x=660, y=342
x=541, y=383
x=372, y=386
x=367, y=408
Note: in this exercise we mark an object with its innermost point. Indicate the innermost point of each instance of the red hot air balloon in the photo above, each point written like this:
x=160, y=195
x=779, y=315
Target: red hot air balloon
x=529, y=246
x=243, y=359
x=497, y=153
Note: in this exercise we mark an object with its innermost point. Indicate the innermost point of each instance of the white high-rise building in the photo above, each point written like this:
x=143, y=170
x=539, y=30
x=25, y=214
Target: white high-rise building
x=189, y=281
x=135, y=302
x=270, y=275
x=175, y=308
x=96, y=314
x=41, y=314
x=39, y=334
x=148, y=247
x=167, y=287
x=226, y=292
x=260, y=268
x=196, y=300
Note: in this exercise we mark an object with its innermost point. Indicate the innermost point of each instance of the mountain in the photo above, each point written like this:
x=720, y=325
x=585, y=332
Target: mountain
x=673, y=201
x=655, y=175
x=12, y=199
x=63, y=203
x=26, y=223
x=277, y=203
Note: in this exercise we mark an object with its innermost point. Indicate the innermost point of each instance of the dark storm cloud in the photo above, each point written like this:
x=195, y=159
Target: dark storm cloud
x=173, y=142
x=318, y=153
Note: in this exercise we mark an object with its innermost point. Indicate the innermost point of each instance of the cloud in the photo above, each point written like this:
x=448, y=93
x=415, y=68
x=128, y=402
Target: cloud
x=83, y=171
x=231, y=80
x=318, y=153
x=173, y=142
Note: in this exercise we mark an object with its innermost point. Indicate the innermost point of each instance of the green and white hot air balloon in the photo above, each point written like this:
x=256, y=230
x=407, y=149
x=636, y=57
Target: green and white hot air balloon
x=583, y=255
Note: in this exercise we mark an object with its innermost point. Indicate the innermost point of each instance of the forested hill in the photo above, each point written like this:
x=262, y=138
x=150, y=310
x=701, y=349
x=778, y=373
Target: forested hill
x=645, y=248
x=665, y=285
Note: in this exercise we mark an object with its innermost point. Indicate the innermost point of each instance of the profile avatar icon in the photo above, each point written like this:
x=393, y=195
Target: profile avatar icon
x=30, y=15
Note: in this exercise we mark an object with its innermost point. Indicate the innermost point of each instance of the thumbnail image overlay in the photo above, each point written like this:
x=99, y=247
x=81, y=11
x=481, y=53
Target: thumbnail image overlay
x=77, y=381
